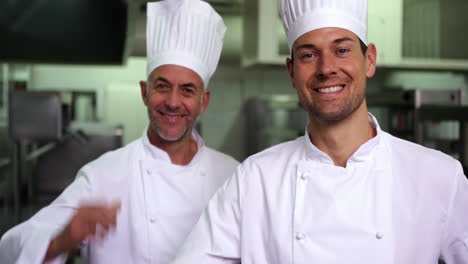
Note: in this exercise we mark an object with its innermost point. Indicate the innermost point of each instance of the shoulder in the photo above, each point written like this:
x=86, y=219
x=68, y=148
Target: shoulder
x=417, y=154
x=115, y=162
x=283, y=149
x=217, y=167
x=426, y=178
x=276, y=156
x=213, y=156
x=122, y=153
x=421, y=169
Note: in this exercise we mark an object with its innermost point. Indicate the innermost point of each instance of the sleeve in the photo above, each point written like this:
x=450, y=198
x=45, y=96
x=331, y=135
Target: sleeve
x=29, y=241
x=216, y=237
x=455, y=243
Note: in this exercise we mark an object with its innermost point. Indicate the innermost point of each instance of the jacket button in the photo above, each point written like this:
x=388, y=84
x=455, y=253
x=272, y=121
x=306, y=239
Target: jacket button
x=379, y=235
x=300, y=236
x=304, y=176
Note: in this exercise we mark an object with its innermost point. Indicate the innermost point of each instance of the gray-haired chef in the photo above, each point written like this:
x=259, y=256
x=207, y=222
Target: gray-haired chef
x=138, y=204
x=346, y=191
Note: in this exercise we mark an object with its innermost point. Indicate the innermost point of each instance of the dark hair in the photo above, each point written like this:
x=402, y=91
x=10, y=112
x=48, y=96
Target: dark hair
x=361, y=44
x=363, y=47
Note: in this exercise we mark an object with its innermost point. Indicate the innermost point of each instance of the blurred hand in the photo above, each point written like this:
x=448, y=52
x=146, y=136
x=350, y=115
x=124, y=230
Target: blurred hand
x=88, y=222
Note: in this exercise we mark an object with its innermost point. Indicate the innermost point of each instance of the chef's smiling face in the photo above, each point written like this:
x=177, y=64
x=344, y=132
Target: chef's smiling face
x=174, y=97
x=329, y=72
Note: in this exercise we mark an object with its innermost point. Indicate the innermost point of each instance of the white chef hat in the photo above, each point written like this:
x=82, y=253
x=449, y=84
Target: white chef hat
x=187, y=33
x=302, y=16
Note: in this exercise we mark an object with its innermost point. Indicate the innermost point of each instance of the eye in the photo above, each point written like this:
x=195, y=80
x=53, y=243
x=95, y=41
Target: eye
x=342, y=51
x=161, y=86
x=307, y=55
x=188, y=90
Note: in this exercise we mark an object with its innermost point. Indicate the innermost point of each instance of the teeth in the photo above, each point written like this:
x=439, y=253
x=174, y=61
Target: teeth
x=330, y=89
x=173, y=116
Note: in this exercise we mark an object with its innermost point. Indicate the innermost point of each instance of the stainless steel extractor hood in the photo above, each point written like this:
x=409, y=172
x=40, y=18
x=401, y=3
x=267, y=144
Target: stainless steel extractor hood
x=71, y=31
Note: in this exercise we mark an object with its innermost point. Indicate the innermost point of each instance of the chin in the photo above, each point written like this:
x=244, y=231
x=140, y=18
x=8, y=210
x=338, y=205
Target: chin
x=330, y=117
x=171, y=136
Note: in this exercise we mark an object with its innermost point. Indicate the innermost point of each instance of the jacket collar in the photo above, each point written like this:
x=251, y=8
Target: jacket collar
x=362, y=154
x=156, y=154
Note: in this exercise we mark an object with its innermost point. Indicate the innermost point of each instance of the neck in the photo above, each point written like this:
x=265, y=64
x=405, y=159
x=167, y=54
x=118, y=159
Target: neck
x=342, y=138
x=180, y=152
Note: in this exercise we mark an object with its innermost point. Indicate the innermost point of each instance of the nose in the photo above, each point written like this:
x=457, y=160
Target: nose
x=173, y=99
x=326, y=66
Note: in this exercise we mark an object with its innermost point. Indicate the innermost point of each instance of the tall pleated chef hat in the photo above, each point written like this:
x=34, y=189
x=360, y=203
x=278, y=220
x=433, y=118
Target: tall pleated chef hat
x=187, y=33
x=302, y=16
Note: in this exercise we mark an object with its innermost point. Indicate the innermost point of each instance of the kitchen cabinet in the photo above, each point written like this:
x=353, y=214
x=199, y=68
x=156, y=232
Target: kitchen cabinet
x=408, y=34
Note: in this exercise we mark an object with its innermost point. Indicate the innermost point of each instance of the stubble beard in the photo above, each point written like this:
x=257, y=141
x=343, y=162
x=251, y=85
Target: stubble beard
x=178, y=138
x=155, y=126
x=343, y=112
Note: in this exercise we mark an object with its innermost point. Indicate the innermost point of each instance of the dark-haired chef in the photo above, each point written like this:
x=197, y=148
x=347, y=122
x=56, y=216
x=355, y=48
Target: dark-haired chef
x=346, y=191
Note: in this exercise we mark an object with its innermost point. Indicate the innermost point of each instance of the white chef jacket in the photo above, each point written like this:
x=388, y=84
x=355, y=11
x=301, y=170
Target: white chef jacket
x=395, y=202
x=160, y=203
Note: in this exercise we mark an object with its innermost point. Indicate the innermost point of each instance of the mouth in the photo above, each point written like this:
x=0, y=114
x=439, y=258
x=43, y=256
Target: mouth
x=171, y=117
x=331, y=89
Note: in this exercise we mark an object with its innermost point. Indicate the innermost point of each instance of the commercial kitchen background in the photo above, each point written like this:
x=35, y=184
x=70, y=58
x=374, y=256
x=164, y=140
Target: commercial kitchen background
x=420, y=44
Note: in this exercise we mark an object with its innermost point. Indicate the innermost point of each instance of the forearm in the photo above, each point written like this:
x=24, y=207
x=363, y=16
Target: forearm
x=27, y=243
x=30, y=241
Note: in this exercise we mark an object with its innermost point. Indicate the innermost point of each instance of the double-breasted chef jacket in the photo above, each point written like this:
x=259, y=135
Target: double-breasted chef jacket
x=394, y=202
x=160, y=203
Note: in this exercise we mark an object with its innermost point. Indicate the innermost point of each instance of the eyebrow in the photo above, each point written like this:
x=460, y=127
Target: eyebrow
x=162, y=79
x=340, y=40
x=312, y=46
x=189, y=84
x=304, y=46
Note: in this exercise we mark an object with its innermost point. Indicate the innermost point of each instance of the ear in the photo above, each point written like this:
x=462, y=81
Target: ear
x=371, y=58
x=205, y=100
x=290, y=67
x=144, y=94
